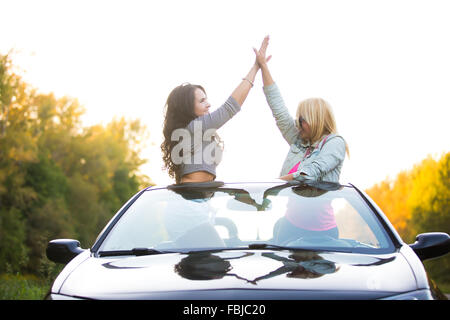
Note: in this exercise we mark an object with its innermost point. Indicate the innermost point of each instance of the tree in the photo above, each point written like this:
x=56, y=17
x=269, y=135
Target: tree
x=58, y=179
x=418, y=201
x=17, y=147
x=431, y=211
x=392, y=197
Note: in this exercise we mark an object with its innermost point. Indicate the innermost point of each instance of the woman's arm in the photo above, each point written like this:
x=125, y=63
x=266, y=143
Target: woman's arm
x=285, y=123
x=331, y=155
x=219, y=117
x=241, y=92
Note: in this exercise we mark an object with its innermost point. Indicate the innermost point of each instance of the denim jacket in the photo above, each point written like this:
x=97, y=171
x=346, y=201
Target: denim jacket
x=325, y=161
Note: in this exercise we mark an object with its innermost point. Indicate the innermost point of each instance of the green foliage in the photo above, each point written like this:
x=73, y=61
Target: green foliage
x=13, y=251
x=58, y=179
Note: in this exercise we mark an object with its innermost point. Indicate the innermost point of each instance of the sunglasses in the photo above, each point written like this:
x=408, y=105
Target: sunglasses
x=300, y=121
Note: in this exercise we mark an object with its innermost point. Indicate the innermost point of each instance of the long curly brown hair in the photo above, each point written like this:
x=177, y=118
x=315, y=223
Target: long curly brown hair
x=179, y=111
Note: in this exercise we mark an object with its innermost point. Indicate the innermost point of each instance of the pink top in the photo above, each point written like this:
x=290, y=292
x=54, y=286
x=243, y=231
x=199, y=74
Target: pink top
x=294, y=168
x=310, y=213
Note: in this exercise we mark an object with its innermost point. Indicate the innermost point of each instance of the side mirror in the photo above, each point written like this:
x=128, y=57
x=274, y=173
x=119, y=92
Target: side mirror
x=63, y=250
x=431, y=245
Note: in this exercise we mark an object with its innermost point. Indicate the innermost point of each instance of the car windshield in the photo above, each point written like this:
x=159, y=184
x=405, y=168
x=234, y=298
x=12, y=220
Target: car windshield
x=258, y=215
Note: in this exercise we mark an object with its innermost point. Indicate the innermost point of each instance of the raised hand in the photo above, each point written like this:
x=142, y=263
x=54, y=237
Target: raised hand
x=261, y=58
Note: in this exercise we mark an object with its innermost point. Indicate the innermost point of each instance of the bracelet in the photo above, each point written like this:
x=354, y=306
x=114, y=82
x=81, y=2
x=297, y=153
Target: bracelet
x=248, y=81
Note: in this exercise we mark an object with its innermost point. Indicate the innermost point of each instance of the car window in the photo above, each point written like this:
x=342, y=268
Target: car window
x=289, y=216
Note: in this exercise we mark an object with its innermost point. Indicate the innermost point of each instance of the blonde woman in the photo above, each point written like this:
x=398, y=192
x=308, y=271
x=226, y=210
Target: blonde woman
x=316, y=151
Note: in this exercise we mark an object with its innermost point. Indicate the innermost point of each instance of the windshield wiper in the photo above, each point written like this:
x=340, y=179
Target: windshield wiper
x=270, y=246
x=132, y=252
x=252, y=246
x=274, y=246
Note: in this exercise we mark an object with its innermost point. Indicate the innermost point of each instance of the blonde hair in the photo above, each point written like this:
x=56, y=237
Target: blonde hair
x=319, y=115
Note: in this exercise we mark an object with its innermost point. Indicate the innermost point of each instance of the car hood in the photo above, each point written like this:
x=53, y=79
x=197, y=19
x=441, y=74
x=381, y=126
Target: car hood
x=246, y=274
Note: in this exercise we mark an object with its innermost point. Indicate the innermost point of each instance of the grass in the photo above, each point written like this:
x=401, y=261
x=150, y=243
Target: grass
x=444, y=287
x=22, y=287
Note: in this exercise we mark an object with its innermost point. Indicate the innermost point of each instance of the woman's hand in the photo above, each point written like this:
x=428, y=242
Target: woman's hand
x=287, y=177
x=261, y=59
x=290, y=176
x=261, y=62
x=241, y=92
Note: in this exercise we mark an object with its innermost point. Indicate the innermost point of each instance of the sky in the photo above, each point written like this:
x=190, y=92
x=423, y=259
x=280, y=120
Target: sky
x=384, y=66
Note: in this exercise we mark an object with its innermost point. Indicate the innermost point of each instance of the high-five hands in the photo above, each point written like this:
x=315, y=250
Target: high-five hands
x=261, y=58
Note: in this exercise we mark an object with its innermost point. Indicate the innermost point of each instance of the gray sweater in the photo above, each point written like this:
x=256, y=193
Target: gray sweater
x=206, y=148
